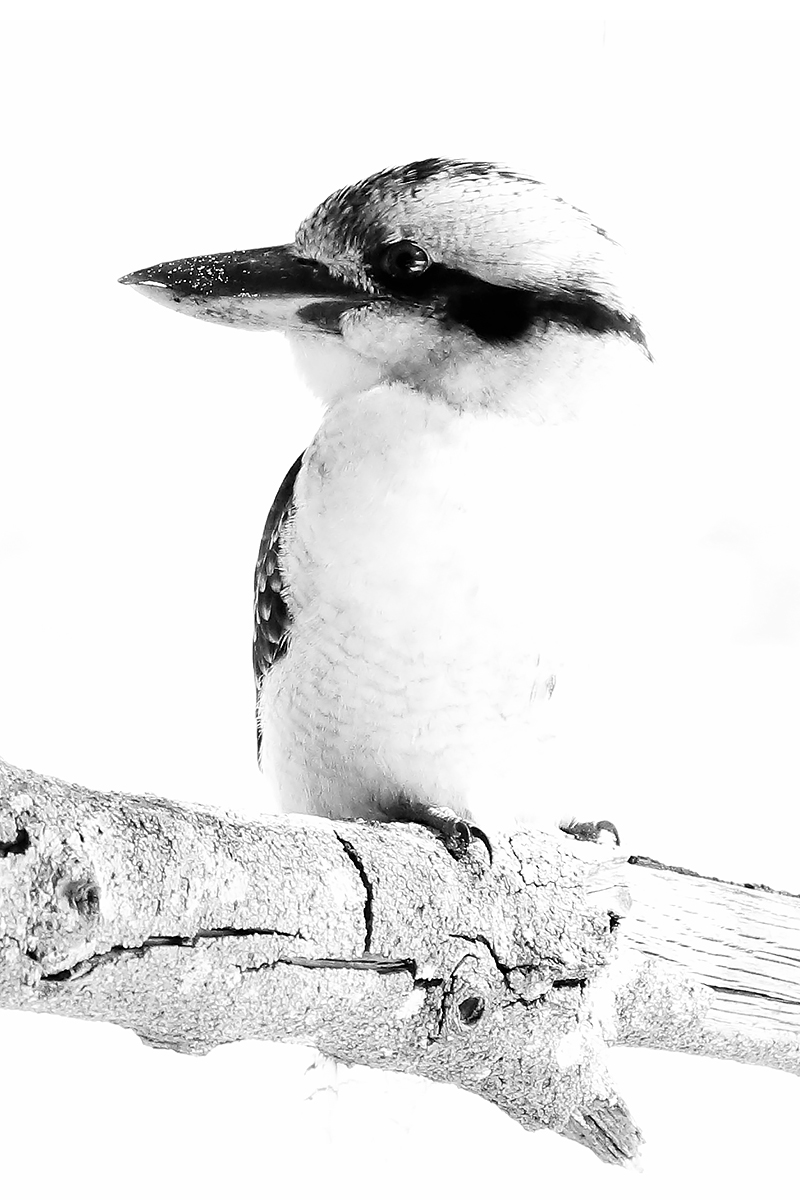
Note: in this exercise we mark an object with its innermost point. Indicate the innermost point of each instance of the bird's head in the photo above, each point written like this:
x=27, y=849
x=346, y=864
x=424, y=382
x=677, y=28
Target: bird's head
x=444, y=274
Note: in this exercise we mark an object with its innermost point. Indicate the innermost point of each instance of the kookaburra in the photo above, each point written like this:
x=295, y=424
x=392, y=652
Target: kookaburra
x=409, y=588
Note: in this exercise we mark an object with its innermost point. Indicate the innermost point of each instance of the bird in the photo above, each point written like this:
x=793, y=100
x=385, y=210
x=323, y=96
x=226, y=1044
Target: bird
x=411, y=583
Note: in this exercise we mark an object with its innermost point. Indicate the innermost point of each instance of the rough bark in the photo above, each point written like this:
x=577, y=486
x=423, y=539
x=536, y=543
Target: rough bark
x=368, y=941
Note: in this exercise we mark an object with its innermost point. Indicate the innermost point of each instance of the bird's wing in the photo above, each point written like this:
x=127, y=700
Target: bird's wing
x=272, y=618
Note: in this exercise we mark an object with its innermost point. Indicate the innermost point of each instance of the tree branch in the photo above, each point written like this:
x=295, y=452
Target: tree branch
x=368, y=941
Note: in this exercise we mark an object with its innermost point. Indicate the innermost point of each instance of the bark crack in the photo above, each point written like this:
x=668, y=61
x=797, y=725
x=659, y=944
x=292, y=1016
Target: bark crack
x=479, y=939
x=82, y=968
x=355, y=859
x=386, y=966
x=769, y=997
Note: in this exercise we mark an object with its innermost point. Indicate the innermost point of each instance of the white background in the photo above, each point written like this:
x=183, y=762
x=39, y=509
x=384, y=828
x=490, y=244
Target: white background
x=139, y=453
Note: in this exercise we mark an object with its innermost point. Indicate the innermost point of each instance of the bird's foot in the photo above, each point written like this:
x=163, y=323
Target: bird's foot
x=604, y=832
x=457, y=834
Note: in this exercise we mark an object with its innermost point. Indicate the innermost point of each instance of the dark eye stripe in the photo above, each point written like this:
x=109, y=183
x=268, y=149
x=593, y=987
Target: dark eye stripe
x=502, y=314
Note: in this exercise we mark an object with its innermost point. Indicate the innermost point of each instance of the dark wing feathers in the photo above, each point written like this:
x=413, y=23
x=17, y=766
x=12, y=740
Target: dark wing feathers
x=272, y=618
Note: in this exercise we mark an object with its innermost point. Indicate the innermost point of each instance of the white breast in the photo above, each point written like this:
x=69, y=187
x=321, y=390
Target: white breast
x=430, y=594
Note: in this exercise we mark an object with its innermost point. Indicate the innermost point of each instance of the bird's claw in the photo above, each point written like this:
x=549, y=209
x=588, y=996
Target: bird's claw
x=459, y=836
x=456, y=833
x=591, y=831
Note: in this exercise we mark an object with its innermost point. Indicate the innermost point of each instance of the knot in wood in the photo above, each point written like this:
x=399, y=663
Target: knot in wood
x=472, y=1009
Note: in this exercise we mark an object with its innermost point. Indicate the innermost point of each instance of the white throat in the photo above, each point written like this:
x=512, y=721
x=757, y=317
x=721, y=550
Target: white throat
x=550, y=377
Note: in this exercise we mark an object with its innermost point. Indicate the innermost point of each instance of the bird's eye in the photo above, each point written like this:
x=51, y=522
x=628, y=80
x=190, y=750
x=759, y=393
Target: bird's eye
x=403, y=260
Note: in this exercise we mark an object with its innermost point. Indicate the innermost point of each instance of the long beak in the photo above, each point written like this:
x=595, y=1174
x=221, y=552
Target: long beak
x=271, y=288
